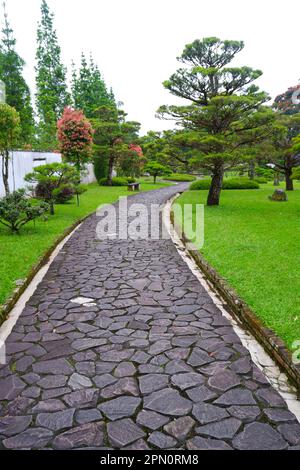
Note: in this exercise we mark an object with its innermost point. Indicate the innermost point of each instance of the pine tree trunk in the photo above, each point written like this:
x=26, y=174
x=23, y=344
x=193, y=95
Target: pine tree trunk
x=289, y=186
x=5, y=171
x=213, y=197
x=276, y=179
x=154, y=178
x=110, y=171
x=251, y=171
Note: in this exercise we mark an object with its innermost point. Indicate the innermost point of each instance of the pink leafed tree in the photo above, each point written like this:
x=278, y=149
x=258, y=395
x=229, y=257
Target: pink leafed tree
x=75, y=135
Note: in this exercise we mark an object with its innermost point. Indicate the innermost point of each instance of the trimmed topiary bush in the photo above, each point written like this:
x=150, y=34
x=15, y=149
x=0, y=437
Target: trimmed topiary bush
x=232, y=183
x=261, y=180
x=179, y=177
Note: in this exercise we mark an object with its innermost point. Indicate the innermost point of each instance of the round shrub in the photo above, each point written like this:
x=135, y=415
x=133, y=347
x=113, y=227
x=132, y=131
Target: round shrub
x=179, y=177
x=63, y=193
x=261, y=180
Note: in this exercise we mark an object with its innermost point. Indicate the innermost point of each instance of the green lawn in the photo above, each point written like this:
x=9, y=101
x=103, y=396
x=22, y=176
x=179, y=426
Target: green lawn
x=255, y=245
x=18, y=253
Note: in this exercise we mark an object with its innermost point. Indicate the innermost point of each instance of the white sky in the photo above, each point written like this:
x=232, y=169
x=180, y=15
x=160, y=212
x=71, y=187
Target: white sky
x=135, y=42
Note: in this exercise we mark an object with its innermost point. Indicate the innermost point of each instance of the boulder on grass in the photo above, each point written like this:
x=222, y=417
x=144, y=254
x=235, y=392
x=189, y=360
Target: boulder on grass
x=278, y=195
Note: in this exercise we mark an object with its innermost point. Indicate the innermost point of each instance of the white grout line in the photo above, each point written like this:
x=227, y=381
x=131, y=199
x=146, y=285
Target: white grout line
x=7, y=327
x=264, y=362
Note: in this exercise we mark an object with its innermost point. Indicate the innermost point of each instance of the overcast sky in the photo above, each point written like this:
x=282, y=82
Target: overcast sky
x=136, y=42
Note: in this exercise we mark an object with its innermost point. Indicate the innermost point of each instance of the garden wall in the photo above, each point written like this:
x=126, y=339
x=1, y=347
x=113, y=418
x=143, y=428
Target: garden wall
x=22, y=162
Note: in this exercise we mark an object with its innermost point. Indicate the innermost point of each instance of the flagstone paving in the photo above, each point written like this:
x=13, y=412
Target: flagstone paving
x=144, y=359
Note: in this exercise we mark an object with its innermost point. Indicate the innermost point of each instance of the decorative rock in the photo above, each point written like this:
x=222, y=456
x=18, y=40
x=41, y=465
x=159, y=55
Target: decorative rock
x=159, y=347
x=103, y=380
x=225, y=429
x=200, y=394
x=152, y=382
x=87, y=343
x=276, y=415
x=269, y=397
x=161, y=440
x=151, y=420
x=199, y=443
x=290, y=432
x=55, y=367
x=123, y=432
x=33, y=438
x=53, y=381
x=259, y=436
x=125, y=369
x=88, y=416
x=169, y=402
x=241, y=366
x=245, y=413
x=87, y=435
x=11, y=387
x=125, y=386
x=48, y=406
x=184, y=381
x=11, y=425
x=117, y=356
x=78, y=382
x=199, y=358
x=237, y=396
x=56, y=421
x=223, y=380
x=205, y=413
x=180, y=428
x=86, y=398
x=120, y=407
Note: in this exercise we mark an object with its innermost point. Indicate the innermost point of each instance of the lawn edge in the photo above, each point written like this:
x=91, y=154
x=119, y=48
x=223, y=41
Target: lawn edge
x=239, y=309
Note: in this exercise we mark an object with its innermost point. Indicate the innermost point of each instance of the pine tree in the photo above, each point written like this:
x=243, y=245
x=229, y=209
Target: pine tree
x=17, y=90
x=89, y=90
x=52, y=95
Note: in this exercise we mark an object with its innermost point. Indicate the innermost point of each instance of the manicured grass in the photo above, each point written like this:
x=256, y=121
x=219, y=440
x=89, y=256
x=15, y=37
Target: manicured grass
x=18, y=253
x=255, y=245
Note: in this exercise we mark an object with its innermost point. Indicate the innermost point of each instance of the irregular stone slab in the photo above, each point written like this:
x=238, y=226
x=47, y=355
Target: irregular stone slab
x=138, y=445
x=117, y=356
x=11, y=387
x=206, y=413
x=180, y=427
x=259, y=436
x=81, y=300
x=87, y=435
x=124, y=386
x=86, y=368
x=11, y=425
x=78, y=382
x=152, y=382
x=168, y=402
x=33, y=438
x=199, y=358
x=103, y=380
x=200, y=443
x=48, y=406
x=55, y=367
x=276, y=415
x=88, y=416
x=87, y=343
x=269, y=397
x=290, y=432
x=225, y=429
x=224, y=380
x=161, y=440
x=53, y=381
x=242, y=366
x=245, y=413
x=184, y=381
x=120, y=407
x=174, y=367
x=237, y=396
x=56, y=421
x=125, y=369
x=201, y=393
x=123, y=432
x=86, y=398
x=151, y=420
x=159, y=347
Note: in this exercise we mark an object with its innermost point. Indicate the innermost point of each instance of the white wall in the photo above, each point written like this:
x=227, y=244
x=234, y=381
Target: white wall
x=22, y=163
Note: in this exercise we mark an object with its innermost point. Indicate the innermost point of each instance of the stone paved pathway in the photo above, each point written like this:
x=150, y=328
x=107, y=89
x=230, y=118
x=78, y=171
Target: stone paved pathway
x=150, y=363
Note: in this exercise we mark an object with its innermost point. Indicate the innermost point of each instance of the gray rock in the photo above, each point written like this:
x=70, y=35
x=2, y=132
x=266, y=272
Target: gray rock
x=11, y=425
x=201, y=393
x=200, y=443
x=237, y=396
x=33, y=438
x=53, y=381
x=123, y=432
x=56, y=421
x=245, y=413
x=276, y=415
x=224, y=380
x=87, y=343
x=86, y=398
x=125, y=369
x=87, y=435
x=259, y=436
x=180, y=427
x=225, y=429
x=169, y=402
x=187, y=380
x=269, y=397
x=120, y=407
x=11, y=387
x=88, y=416
x=48, y=406
x=199, y=358
x=55, y=367
x=78, y=382
x=103, y=380
x=206, y=413
x=124, y=386
x=161, y=440
x=151, y=420
x=290, y=432
x=152, y=382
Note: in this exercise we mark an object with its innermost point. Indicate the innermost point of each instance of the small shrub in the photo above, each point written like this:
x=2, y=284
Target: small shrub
x=131, y=180
x=17, y=210
x=179, y=177
x=200, y=184
x=117, y=181
x=261, y=180
x=63, y=193
x=240, y=183
x=232, y=183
